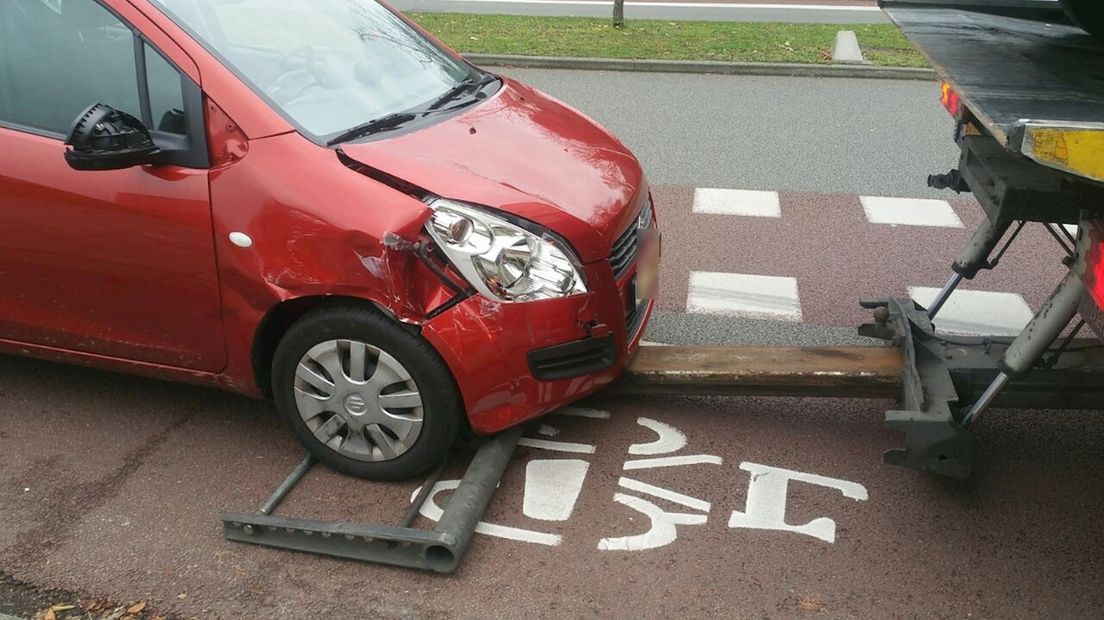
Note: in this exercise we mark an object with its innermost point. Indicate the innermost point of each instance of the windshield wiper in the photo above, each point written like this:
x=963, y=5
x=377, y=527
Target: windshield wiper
x=383, y=123
x=473, y=83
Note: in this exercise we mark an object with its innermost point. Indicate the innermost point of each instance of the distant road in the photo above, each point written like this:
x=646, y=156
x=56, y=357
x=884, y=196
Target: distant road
x=825, y=11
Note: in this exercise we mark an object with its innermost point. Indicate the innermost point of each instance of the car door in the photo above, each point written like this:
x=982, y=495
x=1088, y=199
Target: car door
x=117, y=263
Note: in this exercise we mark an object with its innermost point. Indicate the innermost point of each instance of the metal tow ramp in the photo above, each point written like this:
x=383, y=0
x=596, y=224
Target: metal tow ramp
x=851, y=372
x=440, y=549
x=906, y=371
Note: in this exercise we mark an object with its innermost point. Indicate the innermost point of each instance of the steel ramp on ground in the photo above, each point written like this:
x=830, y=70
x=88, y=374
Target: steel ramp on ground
x=440, y=549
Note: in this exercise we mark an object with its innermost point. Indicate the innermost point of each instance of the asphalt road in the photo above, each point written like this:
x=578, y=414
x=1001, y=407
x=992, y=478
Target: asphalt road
x=823, y=12
x=770, y=133
x=111, y=485
x=822, y=135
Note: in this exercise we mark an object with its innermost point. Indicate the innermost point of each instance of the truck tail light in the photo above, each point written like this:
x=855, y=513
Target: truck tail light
x=949, y=98
x=1094, y=271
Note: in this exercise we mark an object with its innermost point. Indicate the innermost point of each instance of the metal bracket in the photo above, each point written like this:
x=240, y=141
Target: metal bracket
x=934, y=441
x=440, y=549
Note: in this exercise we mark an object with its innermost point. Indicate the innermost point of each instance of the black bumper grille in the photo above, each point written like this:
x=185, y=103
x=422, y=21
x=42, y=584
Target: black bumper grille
x=573, y=359
x=623, y=254
x=634, y=319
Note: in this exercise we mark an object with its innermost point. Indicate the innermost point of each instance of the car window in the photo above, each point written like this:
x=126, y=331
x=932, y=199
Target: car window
x=165, y=93
x=57, y=57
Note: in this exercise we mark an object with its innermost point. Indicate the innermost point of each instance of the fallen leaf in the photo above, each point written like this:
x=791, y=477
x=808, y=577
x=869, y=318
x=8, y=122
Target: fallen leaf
x=136, y=608
x=182, y=595
x=810, y=603
x=49, y=615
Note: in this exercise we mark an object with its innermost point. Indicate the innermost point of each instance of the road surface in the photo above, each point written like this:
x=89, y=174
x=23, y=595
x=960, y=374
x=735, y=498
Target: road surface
x=627, y=507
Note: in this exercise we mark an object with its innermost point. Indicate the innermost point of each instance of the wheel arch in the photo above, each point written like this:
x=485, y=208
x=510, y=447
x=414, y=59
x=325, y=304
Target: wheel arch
x=283, y=315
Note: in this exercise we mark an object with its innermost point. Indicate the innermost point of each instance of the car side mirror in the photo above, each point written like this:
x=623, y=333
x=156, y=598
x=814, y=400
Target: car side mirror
x=103, y=138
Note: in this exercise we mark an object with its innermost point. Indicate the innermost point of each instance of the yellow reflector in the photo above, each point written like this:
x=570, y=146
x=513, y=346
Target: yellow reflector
x=1079, y=151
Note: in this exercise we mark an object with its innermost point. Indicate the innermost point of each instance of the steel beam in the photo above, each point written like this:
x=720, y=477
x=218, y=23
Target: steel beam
x=851, y=372
x=1073, y=381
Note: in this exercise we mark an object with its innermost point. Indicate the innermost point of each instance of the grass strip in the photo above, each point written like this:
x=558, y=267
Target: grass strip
x=586, y=37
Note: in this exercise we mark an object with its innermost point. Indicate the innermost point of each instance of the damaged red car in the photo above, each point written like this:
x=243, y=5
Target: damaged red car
x=316, y=202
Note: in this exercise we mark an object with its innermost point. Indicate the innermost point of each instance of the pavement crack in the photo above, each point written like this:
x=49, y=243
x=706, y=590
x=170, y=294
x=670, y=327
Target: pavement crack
x=64, y=509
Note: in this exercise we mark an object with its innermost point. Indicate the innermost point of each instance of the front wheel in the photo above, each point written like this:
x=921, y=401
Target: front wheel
x=365, y=396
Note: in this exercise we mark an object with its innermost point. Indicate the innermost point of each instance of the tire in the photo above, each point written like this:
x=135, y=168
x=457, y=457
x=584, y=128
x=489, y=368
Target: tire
x=392, y=416
x=1087, y=14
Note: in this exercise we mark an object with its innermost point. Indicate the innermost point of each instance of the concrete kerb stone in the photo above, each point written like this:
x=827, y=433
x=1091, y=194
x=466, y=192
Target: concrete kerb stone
x=846, y=49
x=703, y=66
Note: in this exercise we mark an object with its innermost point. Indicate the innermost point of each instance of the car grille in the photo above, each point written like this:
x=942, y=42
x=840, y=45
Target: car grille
x=625, y=247
x=634, y=319
x=573, y=359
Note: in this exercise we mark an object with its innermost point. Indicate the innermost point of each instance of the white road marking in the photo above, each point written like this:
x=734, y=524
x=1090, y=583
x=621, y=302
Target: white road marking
x=910, y=212
x=558, y=446
x=660, y=492
x=977, y=312
x=691, y=5
x=518, y=534
x=582, y=412
x=432, y=511
x=766, y=501
x=674, y=461
x=548, y=431
x=736, y=202
x=670, y=438
x=663, y=530
x=552, y=487
x=649, y=343
x=738, y=294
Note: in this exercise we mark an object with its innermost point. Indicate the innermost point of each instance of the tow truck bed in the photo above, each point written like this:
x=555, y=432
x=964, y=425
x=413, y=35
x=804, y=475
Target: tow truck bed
x=1018, y=68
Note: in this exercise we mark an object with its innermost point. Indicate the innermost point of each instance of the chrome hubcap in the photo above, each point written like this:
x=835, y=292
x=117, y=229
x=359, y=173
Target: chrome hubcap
x=358, y=400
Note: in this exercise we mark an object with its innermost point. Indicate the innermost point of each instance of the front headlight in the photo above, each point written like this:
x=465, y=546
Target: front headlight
x=501, y=260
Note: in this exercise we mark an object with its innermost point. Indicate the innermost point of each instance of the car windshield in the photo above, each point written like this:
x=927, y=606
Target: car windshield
x=326, y=65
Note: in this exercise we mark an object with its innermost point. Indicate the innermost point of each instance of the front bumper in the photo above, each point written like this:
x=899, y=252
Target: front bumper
x=496, y=351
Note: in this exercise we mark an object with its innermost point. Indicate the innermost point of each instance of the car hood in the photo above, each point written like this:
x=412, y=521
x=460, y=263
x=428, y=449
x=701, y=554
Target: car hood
x=527, y=154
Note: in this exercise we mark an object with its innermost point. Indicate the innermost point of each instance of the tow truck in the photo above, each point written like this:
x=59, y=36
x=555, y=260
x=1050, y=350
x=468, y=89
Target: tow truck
x=1024, y=89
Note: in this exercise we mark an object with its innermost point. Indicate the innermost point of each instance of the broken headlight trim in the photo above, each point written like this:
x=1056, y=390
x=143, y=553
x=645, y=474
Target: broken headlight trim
x=502, y=260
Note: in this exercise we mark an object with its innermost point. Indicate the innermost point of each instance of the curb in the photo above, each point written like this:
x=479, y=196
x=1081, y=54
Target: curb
x=704, y=66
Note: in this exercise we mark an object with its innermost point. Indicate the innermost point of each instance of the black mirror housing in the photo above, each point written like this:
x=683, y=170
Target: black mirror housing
x=103, y=138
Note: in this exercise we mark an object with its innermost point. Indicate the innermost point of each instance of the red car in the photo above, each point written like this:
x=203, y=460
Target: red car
x=316, y=202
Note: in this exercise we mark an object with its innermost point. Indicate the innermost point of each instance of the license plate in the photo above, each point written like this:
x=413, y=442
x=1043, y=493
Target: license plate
x=647, y=270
